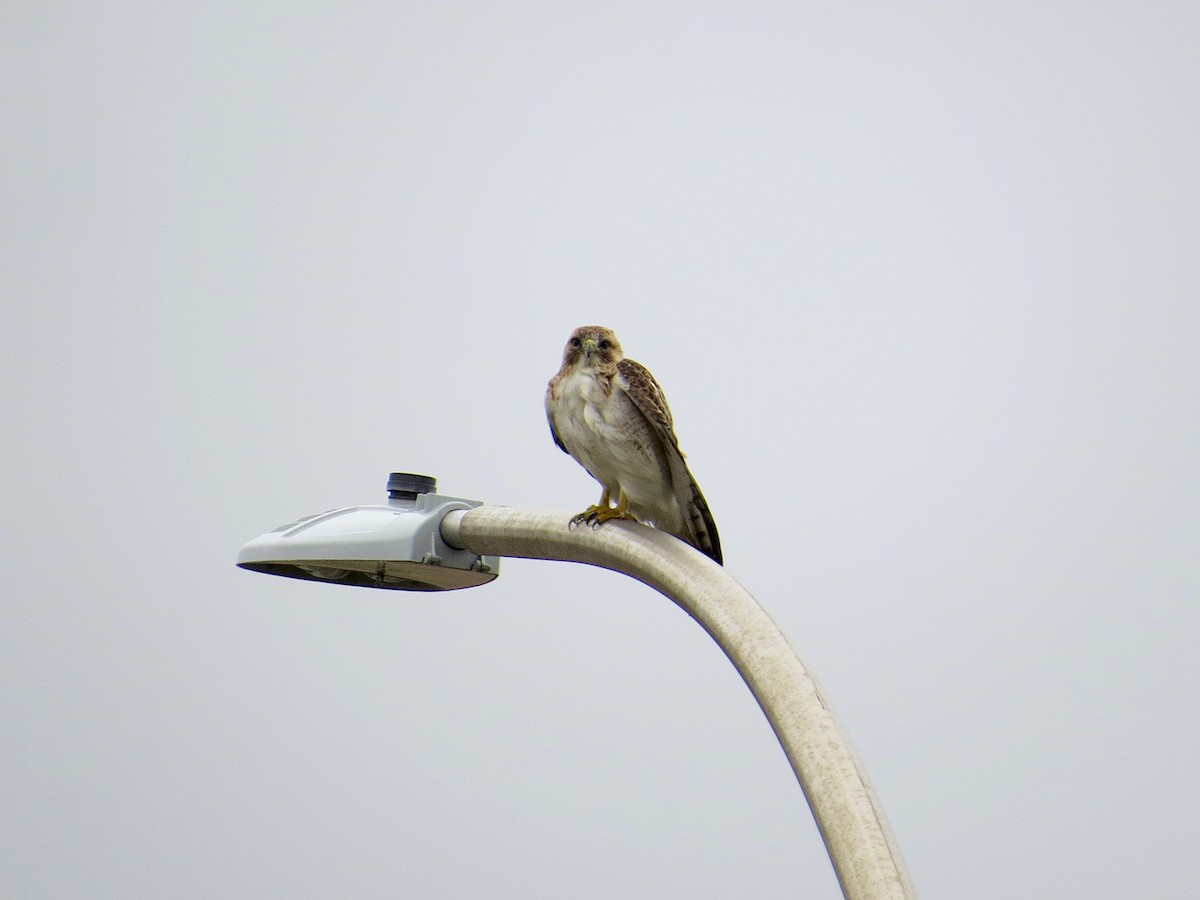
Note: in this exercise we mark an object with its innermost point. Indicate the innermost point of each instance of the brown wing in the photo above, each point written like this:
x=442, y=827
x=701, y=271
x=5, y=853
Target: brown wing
x=700, y=529
x=550, y=417
x=648, y=397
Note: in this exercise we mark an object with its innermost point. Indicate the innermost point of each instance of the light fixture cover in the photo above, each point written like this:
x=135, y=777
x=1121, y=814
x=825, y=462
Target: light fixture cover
x=398, y=546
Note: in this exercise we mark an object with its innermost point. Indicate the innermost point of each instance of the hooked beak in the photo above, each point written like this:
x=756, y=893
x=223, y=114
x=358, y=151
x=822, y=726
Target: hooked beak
x=589, y=346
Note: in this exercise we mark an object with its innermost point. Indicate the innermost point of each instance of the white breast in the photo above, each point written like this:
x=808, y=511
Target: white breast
x=611, y=439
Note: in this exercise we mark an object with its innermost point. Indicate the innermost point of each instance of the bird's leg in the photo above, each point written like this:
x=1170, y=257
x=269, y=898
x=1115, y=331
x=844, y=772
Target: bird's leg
x=620, y=511
x=592, y=511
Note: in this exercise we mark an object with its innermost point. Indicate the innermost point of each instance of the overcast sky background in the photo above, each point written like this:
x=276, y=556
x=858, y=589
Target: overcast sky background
x=921, y=283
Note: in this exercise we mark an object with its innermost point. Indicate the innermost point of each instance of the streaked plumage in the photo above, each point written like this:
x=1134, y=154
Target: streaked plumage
x=610, y=415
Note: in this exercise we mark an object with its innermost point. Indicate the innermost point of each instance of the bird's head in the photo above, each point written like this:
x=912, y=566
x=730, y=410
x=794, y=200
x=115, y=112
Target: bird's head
x=592, y=347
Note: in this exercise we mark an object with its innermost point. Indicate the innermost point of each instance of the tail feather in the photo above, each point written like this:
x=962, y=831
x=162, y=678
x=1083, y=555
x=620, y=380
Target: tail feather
x=699, y=525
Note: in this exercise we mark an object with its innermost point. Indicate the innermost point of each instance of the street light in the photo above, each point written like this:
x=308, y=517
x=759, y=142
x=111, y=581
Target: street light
x=424, y=541
x=397, y=547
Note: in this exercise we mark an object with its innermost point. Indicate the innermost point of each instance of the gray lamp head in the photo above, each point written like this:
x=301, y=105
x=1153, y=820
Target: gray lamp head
x=397, y=546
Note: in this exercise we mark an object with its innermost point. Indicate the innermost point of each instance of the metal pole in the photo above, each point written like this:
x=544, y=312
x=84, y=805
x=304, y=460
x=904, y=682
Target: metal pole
x=860, y=844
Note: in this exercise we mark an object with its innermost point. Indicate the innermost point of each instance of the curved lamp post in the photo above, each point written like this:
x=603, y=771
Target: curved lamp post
x=425, y=541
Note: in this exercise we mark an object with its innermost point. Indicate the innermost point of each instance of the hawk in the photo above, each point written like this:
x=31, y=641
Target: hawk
x=610, y=415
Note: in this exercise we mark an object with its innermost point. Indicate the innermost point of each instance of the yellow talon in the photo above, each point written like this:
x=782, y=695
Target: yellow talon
x=592, y=511
x=607, y=513
x=601, y=512
x=586, y=516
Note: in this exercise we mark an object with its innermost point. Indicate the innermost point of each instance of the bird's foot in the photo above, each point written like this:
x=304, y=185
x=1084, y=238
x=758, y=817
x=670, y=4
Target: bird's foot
x=595, y=516
x=599, y=513
x=607, y=514
x=588, y=515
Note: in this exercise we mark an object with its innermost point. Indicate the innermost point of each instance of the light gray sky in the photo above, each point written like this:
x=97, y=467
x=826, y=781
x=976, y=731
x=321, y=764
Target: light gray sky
x=921, y=283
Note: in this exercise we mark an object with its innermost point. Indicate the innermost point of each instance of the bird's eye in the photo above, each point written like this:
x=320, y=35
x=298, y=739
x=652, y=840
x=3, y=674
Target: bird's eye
x=576, y=343
x=605, y=344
